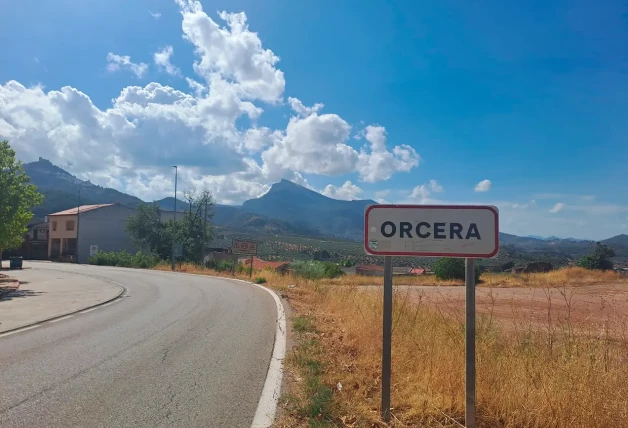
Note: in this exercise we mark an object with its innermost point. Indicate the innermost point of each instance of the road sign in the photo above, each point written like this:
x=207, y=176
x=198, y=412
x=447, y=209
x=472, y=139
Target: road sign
x=248, y=248
x=178, y=249
x=93, y=250
x=468, y=231
x=431, y=230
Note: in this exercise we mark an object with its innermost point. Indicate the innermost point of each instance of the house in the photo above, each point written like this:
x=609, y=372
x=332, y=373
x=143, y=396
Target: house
x=258, y=264
x=79, y=232
x=35, y=246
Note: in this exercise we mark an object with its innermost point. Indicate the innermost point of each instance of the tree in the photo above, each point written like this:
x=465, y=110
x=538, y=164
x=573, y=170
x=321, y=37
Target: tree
x=148, y=232
x=599, y=259
x=17, y=199
x=449, y=268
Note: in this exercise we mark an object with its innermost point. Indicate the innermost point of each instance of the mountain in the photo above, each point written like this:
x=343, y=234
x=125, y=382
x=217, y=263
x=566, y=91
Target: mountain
x=619, y=240
x=303, y=207
x=287, y=209
x=61, y=189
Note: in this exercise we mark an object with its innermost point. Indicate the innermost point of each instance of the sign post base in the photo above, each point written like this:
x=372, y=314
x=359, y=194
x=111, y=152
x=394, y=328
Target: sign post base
x=469, y=416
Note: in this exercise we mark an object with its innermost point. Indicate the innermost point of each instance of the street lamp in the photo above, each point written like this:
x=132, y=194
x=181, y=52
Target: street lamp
x=78, y=220
x=174, y=223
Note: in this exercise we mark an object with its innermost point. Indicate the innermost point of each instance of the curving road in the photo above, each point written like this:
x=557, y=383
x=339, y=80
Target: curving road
x=176, y=350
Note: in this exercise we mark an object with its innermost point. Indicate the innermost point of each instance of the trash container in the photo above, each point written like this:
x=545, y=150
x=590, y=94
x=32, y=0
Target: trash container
x=15, y=262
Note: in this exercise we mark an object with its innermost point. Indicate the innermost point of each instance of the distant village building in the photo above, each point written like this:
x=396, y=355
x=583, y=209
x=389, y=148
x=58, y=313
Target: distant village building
x=79, y=232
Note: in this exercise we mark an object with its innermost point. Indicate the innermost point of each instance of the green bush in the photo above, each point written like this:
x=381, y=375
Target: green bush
x=316, y=269
x=260, y=280
x=141, y=259
x=220, y=266
x=600, y=259
x=448, y=268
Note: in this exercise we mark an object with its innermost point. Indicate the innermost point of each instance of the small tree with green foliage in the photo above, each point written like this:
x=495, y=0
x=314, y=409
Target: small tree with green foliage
x=599, y=259
x=17, y=199
x=449, y=268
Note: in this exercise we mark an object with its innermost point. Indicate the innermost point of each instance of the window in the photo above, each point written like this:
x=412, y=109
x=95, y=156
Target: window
x=69, y=225
x=54, y=225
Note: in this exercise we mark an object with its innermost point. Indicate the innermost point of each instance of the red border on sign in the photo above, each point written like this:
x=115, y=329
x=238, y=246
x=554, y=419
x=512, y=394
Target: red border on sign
x=458, y=207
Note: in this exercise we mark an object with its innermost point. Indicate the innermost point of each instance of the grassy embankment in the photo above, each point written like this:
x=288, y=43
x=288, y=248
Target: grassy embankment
x=563, y=374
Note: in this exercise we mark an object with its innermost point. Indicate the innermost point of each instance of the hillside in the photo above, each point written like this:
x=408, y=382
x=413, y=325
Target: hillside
x=296, y=222
x=302, y=207
x=61, y=189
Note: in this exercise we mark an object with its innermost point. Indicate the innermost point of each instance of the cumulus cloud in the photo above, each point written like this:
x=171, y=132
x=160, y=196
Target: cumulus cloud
x=347, y=192
x=162, y=60
x=557, y=208
x=435, y=187
x=378, y=163
x=211, y=130
x=118, y=62
x=232, y=51
x=483, y=186
x=299, y=108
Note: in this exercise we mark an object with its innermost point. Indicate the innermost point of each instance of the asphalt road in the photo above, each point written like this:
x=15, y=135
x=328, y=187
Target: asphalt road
x=179, y=350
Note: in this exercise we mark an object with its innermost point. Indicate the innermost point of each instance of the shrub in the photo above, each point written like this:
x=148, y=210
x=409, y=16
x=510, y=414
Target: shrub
x=600, y=259
x=220, y=266
x=448, y=268
x=260, y=280
x=316, y=269
x=122, y=258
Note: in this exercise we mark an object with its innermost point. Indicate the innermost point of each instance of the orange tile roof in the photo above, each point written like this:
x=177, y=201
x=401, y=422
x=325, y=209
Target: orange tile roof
x=82, y=209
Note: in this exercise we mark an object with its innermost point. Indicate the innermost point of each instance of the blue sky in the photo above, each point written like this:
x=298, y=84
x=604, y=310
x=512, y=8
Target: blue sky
x=529, y=96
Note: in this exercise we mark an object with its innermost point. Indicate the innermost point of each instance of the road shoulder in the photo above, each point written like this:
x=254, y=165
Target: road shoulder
x=44, y=295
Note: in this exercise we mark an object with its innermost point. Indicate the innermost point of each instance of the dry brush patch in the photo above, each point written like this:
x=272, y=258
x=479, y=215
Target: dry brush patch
x=528, y=376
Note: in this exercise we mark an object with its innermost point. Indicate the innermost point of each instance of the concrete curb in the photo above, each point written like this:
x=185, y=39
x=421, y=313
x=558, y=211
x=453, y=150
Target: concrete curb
x=27, y=326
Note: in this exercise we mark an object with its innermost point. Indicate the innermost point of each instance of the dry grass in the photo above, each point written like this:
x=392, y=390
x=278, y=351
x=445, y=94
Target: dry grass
x=528, y=376
x=573, y=276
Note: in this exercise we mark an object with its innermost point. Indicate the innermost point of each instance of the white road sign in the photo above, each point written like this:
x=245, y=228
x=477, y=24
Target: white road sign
x=431, y=230
x=93, y=250
x=244, y=247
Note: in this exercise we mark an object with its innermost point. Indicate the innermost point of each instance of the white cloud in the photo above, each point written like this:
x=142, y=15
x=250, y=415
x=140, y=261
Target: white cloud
x=162, y=59
x=348, y=191
x=435, y=187
x=483, y=186
x=198, y=89
x=557, y=208
x=210, y=131
x=298, y=107
x=155, y=15
x=380, y=164
x=117, y=63
x=233, y=52
x=257, y=139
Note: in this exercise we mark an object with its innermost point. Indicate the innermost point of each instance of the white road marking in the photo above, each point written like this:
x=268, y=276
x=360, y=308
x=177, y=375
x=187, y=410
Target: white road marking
x=267, y=405
x=62, y=318
x=89, y=310
x=20, y=330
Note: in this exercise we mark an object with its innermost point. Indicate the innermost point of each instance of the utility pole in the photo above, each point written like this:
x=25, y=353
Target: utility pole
x=204, y=234
x=174, y=223
x=78, y=219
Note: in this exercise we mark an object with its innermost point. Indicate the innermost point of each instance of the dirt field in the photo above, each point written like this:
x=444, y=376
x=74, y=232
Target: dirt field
x=594, y=307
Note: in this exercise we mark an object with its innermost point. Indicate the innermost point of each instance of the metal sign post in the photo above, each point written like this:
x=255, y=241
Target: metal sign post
x=469, y=279
x=387, y=338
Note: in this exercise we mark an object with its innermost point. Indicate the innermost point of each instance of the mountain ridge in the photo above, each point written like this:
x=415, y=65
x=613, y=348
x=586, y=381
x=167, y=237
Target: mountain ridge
x=287, y=208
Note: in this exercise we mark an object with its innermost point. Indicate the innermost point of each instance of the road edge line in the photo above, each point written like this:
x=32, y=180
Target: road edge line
x=267, y=405
x=36, y=323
